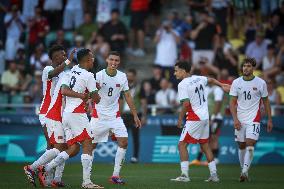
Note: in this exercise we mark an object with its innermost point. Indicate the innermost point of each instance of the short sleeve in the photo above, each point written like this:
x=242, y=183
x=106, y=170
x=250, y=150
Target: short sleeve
x=91, y=84
x=218, y=94
x=264, y=92
x=182, y=92
x=233, y=90
x=66, y=80
x=45, y=72
x=204, y=80
x=125, y=86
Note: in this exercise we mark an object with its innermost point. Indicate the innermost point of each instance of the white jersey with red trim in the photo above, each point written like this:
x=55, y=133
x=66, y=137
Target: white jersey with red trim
x=48, y=86
x=193, y=89
x=249, y=94
x=55, y=109
x=111, y=88
x=80, y=81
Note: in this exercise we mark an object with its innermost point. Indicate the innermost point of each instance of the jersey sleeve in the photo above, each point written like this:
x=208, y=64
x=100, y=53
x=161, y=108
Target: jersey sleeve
x=125, y=86
x=91, y=84
x=65, y=80
x=182, y=92
x=218, y=94
x=45, y=72
x=233, y=90
x=264, y=92
x=204, y=80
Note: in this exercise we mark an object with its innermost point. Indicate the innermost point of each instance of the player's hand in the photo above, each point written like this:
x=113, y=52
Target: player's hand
x=269, y=125
x=71, y=57
x=85, y=97
x=137, y=121
x=98, y=86
x=237, y=124
x=226, y=88
x=179, y=124
x=96, y=97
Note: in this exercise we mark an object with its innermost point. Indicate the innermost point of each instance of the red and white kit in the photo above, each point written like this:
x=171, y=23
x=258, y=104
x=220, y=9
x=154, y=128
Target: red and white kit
x=106, y=115
x=249, y=94
x=196, y=129
x=75, y=121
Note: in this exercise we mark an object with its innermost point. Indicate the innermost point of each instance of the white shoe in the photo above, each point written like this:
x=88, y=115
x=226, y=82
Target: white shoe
x=182, y=178
x=139, y=53
x=213, y=178
x=91, y=185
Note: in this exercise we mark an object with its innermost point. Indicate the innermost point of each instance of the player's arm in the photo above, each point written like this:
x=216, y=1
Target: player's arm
x=213, y=81
x=56, y=71
x=184, y=108
x=129, y=101
x=233, y=109
x=95, y=96
x=66, y=91
x=267, y=107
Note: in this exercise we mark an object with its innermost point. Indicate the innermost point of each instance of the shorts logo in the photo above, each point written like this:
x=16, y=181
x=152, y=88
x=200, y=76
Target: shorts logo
x=117, y=85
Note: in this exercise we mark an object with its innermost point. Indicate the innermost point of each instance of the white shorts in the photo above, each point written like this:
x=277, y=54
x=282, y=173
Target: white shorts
x=55, y=131
x=42, y=120
x=76, y=127
x=101, y=129
x=250, y=131
x=195, y=132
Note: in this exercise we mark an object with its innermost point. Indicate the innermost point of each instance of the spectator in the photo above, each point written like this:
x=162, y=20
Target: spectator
x=258, y=48
x=53, y=11
x=280, y=13
x=156, y=79
x=60, y=40
x=104, y=8
x=10, y=80
x=174, y=18
x=120, y=5
x=250, y=28
x=273, y=28
x=139, y=12
x=73, y=14
x=36, y=87
x=273, y=94
x=4, y=4
x=39, y=59
x=268, y=6
x=21, y=59
x=28, y=9
x=197, y=6
x=148, y=93
x=2, y=58
x=167, y=40
x=269, y=66
x=115, y=33
x=25, y=78
x=38, y=28
x=15, y=26
x=166, y=97
x=87, y=28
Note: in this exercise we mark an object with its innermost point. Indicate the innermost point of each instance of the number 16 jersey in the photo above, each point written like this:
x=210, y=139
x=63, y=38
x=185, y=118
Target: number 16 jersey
x=249, y=94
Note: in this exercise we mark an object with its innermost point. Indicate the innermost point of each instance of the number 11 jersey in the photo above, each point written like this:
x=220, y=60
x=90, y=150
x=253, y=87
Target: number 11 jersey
x=249, y=94
x=192, y=89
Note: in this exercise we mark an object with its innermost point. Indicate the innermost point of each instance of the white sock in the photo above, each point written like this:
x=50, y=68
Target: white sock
x=62, y=157
x=248, y=158
x=59, y=172
x=119, y=159
x=212, y=167
x=49, y=177
x=242, y=153
x=86, y=160
x=45, y=158
x=184, y=167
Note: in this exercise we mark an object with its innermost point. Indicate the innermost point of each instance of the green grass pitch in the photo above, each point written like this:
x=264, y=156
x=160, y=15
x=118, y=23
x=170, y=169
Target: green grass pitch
x=154, y=176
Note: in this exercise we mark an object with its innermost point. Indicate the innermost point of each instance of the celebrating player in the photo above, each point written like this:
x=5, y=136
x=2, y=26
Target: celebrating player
x=49, y=80
x=248, y=91
x=75, y=121
x=106, y=116
x=196, y=130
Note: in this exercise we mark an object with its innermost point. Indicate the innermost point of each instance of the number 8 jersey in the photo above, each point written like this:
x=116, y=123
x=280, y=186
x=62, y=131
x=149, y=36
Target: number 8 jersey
x=193, y=89
x=249, y=94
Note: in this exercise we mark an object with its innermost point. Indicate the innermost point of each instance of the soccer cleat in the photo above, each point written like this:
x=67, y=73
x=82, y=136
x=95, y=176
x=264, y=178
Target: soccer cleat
x=244, y=177
x=56, y=184
x=134, y=160
x=30, y=175
x=91, y=186
x=181, y=178
x=41, y=176
x=116, y=180
x=195, y=162
x=213, y=178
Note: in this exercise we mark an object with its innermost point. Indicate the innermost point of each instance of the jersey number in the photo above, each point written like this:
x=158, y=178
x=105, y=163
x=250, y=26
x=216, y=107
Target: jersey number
x=247, y=95
x=256, y=128
x=110, y=91
x=72, y=82
x=200, y=95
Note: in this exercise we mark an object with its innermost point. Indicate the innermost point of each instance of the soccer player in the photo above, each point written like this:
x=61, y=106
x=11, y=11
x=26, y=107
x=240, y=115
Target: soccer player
x=191, y=92
x=49, y=80
x=75, y=121
x=248, y=92
x=106, y=115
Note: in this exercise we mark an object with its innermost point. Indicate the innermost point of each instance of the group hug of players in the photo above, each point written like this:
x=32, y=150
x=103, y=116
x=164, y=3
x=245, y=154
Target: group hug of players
x=70, y=91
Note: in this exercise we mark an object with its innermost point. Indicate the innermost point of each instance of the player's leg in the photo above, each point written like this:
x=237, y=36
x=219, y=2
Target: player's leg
x=240, y=139
x=241, y=153
x=214, y=138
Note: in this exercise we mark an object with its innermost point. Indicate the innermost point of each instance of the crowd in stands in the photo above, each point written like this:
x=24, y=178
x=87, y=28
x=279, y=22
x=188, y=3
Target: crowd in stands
x=215, y=35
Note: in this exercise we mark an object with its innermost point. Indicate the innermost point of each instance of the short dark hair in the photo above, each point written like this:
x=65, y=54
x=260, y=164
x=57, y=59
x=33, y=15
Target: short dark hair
x=133, y=71
x=54, y=49
x=82, y=54
x=114, y=53
x=249, y=60
x=184, y=65
x=115, y=11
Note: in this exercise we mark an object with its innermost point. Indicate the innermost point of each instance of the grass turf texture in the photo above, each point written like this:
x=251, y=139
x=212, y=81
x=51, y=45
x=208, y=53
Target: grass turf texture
x=156, y=176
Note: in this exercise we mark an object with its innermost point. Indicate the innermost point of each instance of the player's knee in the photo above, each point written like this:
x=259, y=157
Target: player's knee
x=123, y=143
x=242, y=145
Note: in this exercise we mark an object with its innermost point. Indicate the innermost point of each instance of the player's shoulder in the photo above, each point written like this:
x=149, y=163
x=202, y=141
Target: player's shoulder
x=237, y=80
x=184, y=82
x=259, y=80
x=121, y=74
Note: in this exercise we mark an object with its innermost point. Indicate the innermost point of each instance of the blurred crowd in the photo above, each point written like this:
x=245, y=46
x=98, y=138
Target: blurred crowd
x=215, y=35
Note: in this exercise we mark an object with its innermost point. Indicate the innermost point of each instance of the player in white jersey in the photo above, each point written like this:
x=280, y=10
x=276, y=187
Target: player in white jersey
x=248, y=92
x=191, y=92
x=75, y=121
x=106, y=115
x=49, y=79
